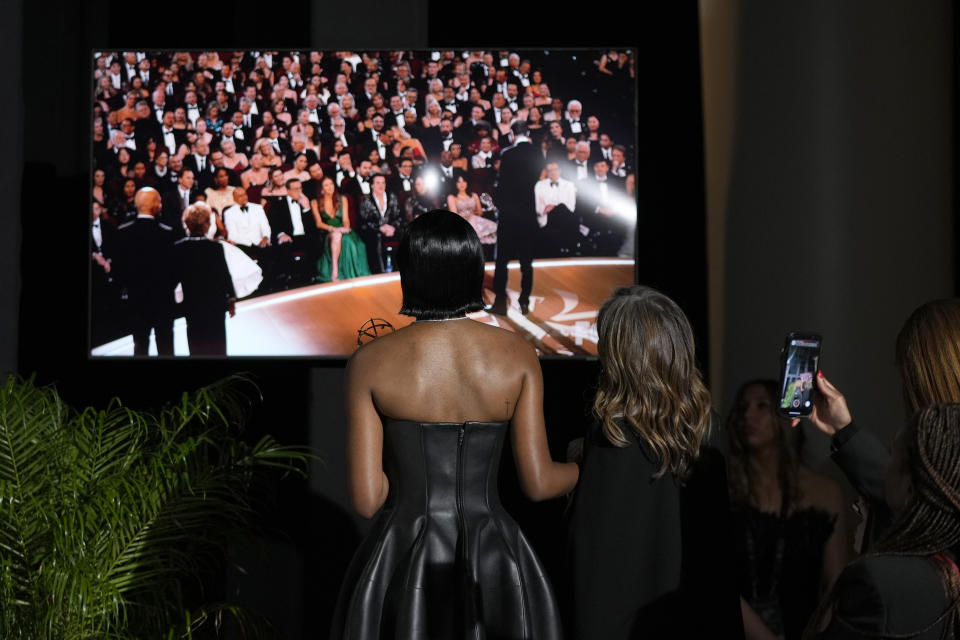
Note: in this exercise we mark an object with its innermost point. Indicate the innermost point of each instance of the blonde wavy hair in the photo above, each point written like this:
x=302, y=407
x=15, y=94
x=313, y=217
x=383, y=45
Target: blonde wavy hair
x=649, y=378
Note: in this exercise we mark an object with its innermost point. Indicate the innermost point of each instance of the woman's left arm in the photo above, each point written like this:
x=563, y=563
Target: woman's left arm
x=367, y=483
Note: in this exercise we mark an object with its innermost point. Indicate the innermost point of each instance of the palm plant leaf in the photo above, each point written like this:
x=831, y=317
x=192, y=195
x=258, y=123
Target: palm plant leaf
x=104, y=513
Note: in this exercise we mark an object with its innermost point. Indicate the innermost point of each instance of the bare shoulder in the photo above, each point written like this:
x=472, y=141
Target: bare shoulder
x=820, y=490
x=508, y=343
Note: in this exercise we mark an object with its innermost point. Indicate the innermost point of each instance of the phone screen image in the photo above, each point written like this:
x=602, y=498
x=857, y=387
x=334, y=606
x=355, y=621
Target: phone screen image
x=800, y=366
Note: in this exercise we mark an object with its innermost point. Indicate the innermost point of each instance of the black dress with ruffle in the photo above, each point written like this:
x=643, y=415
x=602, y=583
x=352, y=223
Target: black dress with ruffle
x=444, y=559
x=780, y=562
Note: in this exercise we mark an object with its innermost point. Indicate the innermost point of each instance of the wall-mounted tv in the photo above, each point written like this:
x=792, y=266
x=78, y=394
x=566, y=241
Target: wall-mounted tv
x=249, y=203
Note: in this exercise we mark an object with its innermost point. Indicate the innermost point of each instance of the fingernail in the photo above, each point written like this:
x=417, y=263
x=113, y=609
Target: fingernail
x=819, y=374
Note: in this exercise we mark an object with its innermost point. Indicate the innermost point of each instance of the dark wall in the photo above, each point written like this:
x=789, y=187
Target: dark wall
x=840, y=207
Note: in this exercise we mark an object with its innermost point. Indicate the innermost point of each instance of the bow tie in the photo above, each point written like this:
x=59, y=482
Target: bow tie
x=243, y=208
x=554, y=184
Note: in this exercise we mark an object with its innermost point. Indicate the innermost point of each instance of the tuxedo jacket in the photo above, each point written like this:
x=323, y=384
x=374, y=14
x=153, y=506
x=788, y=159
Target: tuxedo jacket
x=520, y=167
x=278, y=215
x=433, y=141
x=171, y=213
x=203, y=178
x=395, y=185
x=370, y=219
x=142, y=262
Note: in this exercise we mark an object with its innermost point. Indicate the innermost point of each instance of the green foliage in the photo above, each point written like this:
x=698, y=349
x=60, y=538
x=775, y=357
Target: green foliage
x=106, y=514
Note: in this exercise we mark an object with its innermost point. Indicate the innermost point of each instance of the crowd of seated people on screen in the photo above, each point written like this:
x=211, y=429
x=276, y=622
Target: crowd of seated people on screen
x=313, y=162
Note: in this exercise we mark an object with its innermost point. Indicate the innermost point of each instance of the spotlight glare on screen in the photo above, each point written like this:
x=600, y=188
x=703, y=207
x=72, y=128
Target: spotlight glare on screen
x=431, y=180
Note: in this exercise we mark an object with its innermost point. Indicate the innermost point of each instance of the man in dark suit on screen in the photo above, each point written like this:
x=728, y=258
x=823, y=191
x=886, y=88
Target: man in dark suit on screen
x=294, y=232
x=520, y=166
x=142, y=263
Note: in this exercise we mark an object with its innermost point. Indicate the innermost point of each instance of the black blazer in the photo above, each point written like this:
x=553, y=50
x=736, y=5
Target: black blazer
x=520, y=167
x=651, y=558
x=171, y=212
x=881, y=596
x=863, y=460
x=278, y=215
x=201, y=269
x=142, y=262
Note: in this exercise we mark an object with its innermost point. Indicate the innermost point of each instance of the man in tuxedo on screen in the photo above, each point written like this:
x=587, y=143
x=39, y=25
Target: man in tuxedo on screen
x=358, y=185
x=143, y=264
x=448, y=174
x=339, y=132
x=129, y=66
x=381, y=222
x=294, y=231
x=201, y=165
x=439, y=139
x=176, y=201
x=247, y=227
x=520, y=166
x=556, y=200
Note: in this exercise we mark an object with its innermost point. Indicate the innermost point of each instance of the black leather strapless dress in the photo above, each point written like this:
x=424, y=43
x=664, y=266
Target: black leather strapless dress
x=444, y=560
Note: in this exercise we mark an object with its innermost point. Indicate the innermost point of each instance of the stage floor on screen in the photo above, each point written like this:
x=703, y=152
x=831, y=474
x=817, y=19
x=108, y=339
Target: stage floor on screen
x=323, y=320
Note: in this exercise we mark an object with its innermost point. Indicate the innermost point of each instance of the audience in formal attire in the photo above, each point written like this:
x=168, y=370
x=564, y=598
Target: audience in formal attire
x=197, y=125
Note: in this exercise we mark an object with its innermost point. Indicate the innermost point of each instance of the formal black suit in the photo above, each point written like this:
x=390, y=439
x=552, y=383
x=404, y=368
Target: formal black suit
x=371, y=220
x=650, y=558
x=433, y=141
x=143, y=264
x=308, y=245
x=106, y=312
x=171, y=213
x=448, y=183
x=520, y=167
x=204, y=178
x=201, y=269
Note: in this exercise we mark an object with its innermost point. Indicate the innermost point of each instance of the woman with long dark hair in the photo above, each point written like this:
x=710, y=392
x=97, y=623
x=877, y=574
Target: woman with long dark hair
x=789, y=522
x=428, y=408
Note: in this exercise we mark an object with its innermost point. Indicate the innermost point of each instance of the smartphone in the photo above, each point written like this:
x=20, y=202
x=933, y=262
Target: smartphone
x=799, y=363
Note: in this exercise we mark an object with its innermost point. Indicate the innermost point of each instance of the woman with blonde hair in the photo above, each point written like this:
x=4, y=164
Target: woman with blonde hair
x=648, y=533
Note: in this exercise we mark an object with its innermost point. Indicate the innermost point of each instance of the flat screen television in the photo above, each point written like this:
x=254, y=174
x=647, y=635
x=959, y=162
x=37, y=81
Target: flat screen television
x=306, y=166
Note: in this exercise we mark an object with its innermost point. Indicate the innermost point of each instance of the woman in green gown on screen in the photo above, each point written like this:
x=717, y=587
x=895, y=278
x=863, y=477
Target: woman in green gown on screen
x=344, y=255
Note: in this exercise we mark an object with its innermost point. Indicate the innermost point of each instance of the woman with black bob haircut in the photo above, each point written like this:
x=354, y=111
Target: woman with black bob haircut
x=441, y=268
x=428, y=408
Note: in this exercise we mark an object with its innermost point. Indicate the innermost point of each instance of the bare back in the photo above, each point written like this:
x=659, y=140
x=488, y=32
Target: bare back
x=450, y=371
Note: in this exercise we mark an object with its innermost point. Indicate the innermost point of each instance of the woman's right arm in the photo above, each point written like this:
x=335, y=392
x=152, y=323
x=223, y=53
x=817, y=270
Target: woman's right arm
x=540, y=477
x=451, y=204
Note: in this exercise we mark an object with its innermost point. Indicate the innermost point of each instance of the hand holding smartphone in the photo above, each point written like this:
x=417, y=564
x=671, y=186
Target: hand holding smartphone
x=799, y=363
